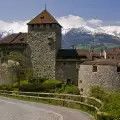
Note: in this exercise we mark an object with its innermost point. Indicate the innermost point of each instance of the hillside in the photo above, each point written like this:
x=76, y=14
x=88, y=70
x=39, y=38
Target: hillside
x=84, y=39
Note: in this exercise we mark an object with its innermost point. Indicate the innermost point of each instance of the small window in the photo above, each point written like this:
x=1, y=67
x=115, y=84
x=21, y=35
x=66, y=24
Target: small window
x=94, y=68
x=42, y=17
x=8, y=53
x=51, y=43
x=47, y=26
x=108, y=57
x=38, y=25
x=21, y=73
x=81, y=89
x=50, y=25
x=44, y=25
x=32, y=26
x=112, y=57
x=118, y=69
x=69, y=81
x=22, y=39
x=50, y=38
x=64, y=63
x=53, y=25
x=80, y=81
x=41, y=26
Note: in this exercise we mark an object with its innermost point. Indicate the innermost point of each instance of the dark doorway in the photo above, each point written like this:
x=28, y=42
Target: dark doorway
x=68, y=81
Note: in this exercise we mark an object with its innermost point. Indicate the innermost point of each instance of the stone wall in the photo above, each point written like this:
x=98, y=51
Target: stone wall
x=106, y=76
x=6, y=74
x=67, y=70
x=42, y=55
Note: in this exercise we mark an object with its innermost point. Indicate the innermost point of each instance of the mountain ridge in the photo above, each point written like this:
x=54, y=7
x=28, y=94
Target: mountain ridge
x=86, y=38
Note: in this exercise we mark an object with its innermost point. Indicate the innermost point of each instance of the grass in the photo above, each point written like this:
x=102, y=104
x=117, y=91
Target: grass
x=57, y=103
x=21, y=82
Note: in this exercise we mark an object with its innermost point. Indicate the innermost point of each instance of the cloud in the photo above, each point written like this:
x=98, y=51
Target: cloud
x=67, y=22
x=15, y=26
x=113, y=30
x=95, y=22
x=71, y=21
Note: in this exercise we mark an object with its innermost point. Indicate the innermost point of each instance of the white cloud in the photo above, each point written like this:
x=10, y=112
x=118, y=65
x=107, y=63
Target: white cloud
x=67, y=22
x=95, y=22
x=15, y=26
x=111, y=28
x=71, y=21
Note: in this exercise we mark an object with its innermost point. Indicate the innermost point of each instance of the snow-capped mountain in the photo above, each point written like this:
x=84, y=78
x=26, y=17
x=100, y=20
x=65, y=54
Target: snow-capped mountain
x=77, y=30
x=0, y=36
x=5, y=33
x=85, y=38
x=104, y=30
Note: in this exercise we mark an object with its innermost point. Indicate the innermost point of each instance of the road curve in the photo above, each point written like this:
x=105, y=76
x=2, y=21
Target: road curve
x=11, y=109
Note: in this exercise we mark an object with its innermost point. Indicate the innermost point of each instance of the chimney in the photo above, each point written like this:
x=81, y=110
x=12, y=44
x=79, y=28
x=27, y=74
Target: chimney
x=104, y=54
x=101, y=53
x=92, y=54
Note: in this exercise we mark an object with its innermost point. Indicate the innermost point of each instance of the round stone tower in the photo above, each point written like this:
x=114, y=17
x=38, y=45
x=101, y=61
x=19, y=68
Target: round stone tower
x=44, y=40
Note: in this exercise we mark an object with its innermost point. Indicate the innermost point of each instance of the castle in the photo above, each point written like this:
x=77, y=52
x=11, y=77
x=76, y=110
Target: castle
x=42, y=46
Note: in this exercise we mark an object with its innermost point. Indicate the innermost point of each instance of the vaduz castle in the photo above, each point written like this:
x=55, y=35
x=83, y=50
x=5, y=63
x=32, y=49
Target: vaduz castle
x=42, y=47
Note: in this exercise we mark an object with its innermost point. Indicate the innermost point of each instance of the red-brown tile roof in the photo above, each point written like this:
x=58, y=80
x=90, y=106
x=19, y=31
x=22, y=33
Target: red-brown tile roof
x=14, y=38
x=101, y=62
x=111, y=52
x=44, y=17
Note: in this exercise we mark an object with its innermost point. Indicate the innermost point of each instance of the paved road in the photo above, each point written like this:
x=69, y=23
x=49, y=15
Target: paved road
x=11, y=109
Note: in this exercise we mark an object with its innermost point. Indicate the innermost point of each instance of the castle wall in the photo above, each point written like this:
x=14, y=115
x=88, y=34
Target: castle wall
x=6, y=74
x=106, y=76
x=42, y=56
x=67, y=70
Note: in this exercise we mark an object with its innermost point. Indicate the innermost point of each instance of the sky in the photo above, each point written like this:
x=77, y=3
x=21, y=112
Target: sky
x=92, y=14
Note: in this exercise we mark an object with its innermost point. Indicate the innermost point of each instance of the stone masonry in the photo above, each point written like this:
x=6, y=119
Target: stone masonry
x=106, y=76
x=67, y=70
x=42, y=57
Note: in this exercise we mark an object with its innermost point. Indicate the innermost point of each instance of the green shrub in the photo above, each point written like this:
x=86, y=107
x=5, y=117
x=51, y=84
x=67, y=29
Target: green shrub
x=111, y=103
x=104, y=116
x=15, y=85
x=99, y=93
x=6, y=87
x=31, y=87
x=72, y=89
x=69, y=89
x=52, y=84
x=37, y=80
x=113, y=106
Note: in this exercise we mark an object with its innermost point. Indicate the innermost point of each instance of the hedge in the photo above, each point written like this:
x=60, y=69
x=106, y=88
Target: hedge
x=104, y=116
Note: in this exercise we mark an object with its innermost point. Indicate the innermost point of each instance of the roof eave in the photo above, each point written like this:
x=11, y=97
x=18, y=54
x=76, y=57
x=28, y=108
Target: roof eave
x=43, y=23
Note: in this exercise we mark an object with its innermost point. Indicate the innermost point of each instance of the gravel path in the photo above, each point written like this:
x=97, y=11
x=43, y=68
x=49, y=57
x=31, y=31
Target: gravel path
x=11, y=109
